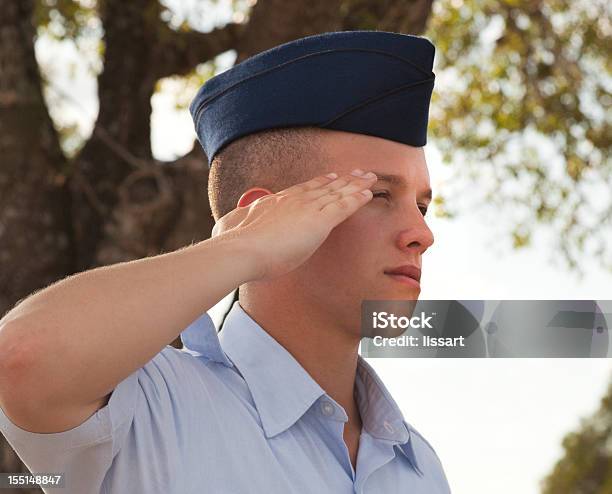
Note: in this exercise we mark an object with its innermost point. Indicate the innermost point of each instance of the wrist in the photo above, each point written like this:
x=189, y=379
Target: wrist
x=244, y=263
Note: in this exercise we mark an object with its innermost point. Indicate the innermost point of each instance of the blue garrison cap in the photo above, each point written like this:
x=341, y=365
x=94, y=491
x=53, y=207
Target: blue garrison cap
x=377, y=83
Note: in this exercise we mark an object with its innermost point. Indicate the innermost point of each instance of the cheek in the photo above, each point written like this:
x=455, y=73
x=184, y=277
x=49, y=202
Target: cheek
x=346, y=264
x=353, y=241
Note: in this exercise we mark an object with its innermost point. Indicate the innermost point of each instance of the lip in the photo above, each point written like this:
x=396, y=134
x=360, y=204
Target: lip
x=408, y=274
x=406, y=280
x=409, y=270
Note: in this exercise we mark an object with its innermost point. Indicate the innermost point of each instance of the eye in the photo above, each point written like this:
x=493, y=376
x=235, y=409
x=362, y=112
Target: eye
x=386, y=195
x=381, y=194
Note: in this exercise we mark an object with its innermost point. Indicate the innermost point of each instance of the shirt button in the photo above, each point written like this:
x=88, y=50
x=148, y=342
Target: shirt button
x=327, y=408
x=388, y=426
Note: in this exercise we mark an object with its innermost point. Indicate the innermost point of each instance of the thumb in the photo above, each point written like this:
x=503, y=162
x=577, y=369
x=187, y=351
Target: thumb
x=230, y=220
x=215, y=230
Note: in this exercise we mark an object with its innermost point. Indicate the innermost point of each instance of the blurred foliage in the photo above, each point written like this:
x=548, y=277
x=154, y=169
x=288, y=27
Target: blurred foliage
x=75, y=23
x=197, y=14
x=66, y=19
x=522, y=105
x=78, y=23
x=183, y=88
x=204, y=15
x=586, y=467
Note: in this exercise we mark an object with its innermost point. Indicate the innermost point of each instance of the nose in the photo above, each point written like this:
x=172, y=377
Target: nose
x=416, y=236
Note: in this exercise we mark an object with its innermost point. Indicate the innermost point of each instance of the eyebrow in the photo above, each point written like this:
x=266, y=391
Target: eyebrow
x=399, y=181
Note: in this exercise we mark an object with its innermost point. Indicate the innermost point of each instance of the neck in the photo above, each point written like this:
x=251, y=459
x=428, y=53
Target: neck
x=326, y=352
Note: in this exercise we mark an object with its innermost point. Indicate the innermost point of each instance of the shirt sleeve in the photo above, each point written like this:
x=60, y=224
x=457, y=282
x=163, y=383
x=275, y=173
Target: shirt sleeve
x=85, y=453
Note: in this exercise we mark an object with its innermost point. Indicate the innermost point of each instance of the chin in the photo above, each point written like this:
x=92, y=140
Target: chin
x=404, y=289
x=400, y=291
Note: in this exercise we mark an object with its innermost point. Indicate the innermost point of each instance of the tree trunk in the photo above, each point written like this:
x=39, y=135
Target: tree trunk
x=35, y=236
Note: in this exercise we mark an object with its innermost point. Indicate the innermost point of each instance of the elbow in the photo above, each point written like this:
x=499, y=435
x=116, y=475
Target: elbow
x=24, y=394
x=16, y=358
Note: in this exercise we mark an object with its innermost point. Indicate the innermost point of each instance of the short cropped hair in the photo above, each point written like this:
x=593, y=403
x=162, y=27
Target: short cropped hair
x=273, y=159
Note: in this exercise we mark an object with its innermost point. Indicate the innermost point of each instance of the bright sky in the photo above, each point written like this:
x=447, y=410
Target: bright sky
x=497, y=424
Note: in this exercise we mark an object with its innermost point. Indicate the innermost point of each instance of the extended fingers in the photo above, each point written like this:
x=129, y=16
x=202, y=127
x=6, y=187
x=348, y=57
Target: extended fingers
x=342, y=187
x=313, y=184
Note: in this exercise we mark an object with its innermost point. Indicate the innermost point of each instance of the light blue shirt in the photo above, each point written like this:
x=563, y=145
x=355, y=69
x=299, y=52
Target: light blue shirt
x=233, y=412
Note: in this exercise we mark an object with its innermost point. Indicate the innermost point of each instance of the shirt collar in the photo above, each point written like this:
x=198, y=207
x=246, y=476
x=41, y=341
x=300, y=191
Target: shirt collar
x=281, y=388
x=385, y=420
x=200, y=339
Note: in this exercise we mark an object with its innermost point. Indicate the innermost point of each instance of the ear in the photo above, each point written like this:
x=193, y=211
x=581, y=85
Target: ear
x=234, y=217
x=251, y=196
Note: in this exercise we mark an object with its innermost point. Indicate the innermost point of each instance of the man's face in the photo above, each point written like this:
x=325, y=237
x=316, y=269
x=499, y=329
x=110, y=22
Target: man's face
x=388, y=232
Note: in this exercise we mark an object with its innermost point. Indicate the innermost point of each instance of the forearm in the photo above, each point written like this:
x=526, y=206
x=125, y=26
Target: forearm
x=86, y=333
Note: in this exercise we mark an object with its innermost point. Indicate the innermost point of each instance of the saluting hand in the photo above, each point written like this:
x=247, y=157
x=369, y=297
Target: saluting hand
x=285, y=229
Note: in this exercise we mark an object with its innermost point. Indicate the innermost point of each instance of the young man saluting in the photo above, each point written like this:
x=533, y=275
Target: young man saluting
x=279, y=401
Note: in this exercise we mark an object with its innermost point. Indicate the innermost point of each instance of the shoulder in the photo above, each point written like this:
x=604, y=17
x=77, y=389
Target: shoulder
x=184, y=360
x=414, y=432
x=177, y=369
x=428, y=461
x=423, y=448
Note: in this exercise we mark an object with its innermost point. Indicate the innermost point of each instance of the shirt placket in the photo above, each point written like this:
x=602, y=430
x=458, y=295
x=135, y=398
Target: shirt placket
x=334, y=418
